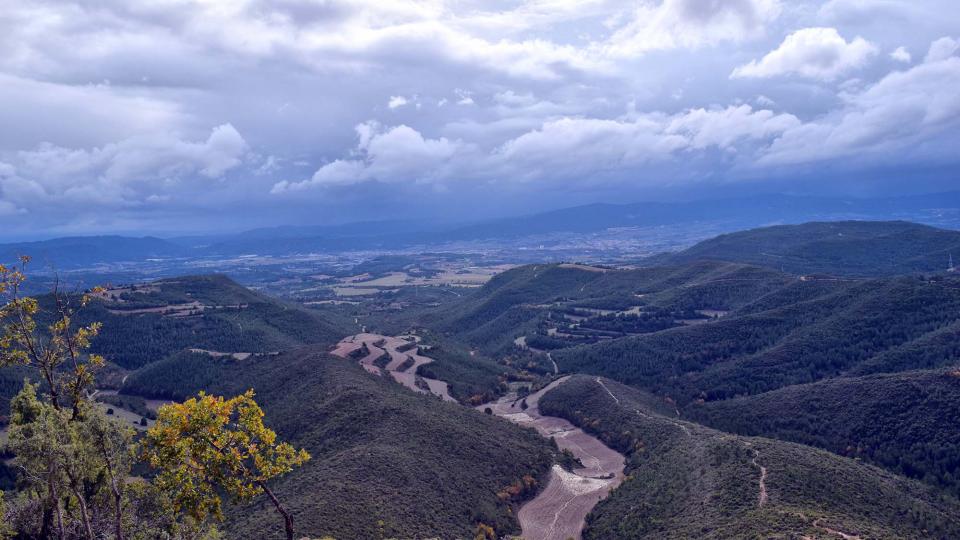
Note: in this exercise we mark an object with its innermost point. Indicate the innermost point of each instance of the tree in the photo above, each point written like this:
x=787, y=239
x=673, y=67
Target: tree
x=22, y=342
x=208, y=445
x=74, y=462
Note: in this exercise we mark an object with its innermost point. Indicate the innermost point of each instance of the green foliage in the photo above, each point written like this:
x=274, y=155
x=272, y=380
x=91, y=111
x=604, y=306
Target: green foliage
x=803, y=333
x=58, y=353
x=234, y=319
x=380, y=452
x=208, y=445
x=75, y=477
x=905, y=422
x=688, y=481
x=176, y=377
x=472, y=377
x=850, y=248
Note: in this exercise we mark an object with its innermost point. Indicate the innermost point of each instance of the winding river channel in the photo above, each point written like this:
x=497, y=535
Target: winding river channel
x=559, y=511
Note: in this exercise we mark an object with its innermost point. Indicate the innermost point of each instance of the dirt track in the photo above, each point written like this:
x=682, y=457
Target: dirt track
x=558, y=512
x=377, y=345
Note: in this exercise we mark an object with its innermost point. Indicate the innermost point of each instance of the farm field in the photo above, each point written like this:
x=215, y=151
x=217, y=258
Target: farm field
x=401, y=357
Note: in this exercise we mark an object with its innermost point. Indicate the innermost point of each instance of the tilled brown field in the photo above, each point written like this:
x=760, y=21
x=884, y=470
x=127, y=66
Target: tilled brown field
x=377, y=345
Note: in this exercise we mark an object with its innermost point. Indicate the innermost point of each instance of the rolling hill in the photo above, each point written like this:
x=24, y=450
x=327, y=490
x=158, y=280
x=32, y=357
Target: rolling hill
x=515, y=302
x=773, y=338
x=802, y=334
x=387, y=463
x=844, y=248
x=78, y=251
x=905, y=422
x=210, y=314
x=689, y=481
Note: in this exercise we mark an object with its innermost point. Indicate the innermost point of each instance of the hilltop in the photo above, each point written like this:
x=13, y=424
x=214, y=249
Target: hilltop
x=210, y=315
x=844, y=248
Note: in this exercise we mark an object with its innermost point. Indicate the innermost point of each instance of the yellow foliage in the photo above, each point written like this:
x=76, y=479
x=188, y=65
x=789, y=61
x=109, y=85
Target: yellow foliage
x=209, y=443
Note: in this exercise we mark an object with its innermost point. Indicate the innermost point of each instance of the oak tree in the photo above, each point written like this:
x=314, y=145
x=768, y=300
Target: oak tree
x=208, y=445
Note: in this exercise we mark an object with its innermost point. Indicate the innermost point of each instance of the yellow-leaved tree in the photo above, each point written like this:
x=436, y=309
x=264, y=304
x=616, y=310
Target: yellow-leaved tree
x=208, y=445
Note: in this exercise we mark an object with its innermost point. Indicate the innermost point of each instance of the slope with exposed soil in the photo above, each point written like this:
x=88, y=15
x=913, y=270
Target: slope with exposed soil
x=404, y=360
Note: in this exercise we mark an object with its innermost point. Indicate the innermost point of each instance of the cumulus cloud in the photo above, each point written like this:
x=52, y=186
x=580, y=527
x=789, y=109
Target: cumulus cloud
x=901, y=54
x=691, y=24
x=122, y=173
x=722, y=128
x=816, y=53
x=395, y=154
x=586, y=150
x=95, y=98
x=942, y=49
x=903, y=109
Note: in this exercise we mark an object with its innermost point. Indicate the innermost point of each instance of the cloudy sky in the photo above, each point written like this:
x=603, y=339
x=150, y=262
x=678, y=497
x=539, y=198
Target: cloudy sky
x=166, y=116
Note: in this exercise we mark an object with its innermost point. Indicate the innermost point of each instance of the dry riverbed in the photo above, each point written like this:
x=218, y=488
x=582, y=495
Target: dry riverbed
x=559, y=511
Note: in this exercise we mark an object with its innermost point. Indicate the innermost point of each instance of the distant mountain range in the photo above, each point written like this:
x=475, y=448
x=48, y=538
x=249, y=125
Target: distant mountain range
x=941, y=210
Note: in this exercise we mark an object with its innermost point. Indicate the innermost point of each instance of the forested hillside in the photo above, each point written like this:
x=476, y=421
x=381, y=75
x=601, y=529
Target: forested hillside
x=848, y=248
x=519, y=301
x=209, y=312
x=146, y=323
x=689, y=481
x=386, y=462
x=905, y=422
x=802, y=335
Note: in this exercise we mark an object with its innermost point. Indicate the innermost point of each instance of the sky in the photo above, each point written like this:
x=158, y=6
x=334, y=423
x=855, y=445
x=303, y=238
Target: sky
x=186, y=116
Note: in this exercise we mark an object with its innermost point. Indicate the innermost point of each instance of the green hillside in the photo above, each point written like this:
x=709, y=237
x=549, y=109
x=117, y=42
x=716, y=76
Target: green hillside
x=906, y=422
x=516, y=302
x=209, y=312
x=797, y=337
x=849, y=248
x=386, y=462
x=688, y=481
x=146, y=323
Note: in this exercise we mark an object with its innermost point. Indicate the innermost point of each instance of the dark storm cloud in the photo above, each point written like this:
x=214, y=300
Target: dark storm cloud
x=193, y=115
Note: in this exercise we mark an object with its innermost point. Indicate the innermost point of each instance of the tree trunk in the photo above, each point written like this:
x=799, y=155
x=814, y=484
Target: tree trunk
x=47, y=519
x=118, y=503
x=287, y=520
x=59, y=510
x=77, y=488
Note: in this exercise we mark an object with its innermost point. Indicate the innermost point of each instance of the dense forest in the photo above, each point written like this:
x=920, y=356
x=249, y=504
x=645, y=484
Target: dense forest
x=386, y=462
x=905, y=422
x=686, y=481
x=748, y=399
x=785, y=342
x=848, y=248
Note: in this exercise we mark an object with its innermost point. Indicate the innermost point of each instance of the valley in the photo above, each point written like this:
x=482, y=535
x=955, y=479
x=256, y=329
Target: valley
x=560, y=509
x=712, y=397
